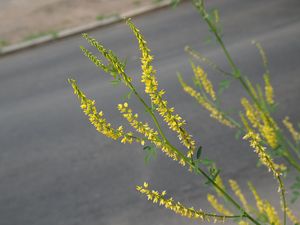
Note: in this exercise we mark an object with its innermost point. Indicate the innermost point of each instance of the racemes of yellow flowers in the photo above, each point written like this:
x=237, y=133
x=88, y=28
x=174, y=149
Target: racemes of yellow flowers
x=117, y=70
x=143, y=134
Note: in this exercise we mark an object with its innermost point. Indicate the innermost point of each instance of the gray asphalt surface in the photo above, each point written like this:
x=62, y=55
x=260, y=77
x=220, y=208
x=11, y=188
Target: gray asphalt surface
x=56, y=169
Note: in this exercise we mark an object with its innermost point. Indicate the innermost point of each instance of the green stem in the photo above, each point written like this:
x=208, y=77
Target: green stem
x=223, y=216
x=188, y=160
x=237, y=74
x=148, y=109
x=283, y=198
x=227, y=196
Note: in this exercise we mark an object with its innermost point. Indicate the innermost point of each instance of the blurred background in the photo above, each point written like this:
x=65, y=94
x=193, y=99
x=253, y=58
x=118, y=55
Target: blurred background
x=56, y=169
x=23, y=20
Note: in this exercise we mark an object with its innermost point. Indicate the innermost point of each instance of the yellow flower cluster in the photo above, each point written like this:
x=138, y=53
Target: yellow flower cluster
x=269, y=134
x=214, y=112
x=174, y=121
x=109, y=55
x=243, y=222
x=219, y=182
x=258, y=200
x=177, y=207
x=271, y=213
x=97, y=118
x=265, y=159
x=218, y=206
x=292, y=217
x=269, y=92
x=237, y=191
x=261, y=122
x=262, y=53
x=148, y=132
x=265, y=207
x=201, y=77
x=252, y=112
x=295, y=134
x=94, y=59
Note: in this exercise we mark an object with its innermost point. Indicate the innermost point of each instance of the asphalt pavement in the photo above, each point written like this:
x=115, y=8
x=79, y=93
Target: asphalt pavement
x=55, y=169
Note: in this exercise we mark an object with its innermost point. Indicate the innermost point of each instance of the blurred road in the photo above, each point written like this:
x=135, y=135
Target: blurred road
x=56, y=169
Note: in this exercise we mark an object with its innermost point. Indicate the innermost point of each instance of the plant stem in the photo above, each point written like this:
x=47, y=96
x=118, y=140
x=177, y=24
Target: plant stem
x=227, y=196
x=201, y=9
x=186, y=159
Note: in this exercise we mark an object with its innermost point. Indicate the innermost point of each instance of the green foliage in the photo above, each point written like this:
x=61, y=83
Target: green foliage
x=223, y=85
x=3, y=43
x=175, y=3
x=151, y=153
x=54, y=34
x=157, y=1
x=199, y=152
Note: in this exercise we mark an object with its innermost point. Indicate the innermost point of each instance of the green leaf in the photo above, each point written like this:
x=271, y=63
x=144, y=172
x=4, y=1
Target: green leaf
x=150, y=153
x=237, y=73
x=115, y=82
x=207, y=162
x=224, y=84
x=174, y=3
x=216, y=173
x=195, y=169
x=146, y=148
x=128, y=95
x=199, y=152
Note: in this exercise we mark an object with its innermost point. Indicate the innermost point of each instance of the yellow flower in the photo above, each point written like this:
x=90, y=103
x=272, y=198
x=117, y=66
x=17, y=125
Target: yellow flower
x=177, y=207
x=258, y=200
x=201, y=77
x=271, y=214
x=269, y=93
x=264, y=158
x=268, y=133
x=252, y=112
x=218, y=206
x=292, y=217
x=113, y=60
x=219, y=182
x=245, y=122
x=174, y=121
x=214, y=112
x=97, y=118
x=148, y=132
x=295, y=134
x=243, y=222
x=264, y=123
x=262, y=53
x=237, y=191
x=267, y=209
x=94, y=59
